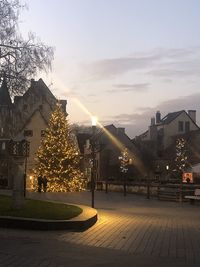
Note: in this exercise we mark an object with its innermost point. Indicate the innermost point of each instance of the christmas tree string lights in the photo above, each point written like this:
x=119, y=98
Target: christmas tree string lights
x=58, y=157
x=181, y=155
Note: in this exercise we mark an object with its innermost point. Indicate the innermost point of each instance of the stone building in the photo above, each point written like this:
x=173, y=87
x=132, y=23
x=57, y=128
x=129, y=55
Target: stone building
x=26, y=118
x=110, y=142
x=162, y=130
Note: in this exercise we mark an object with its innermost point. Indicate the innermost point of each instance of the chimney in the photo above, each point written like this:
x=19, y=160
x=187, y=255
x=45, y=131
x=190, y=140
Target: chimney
x=158, y=117
x=152, y=121
x=192, y=114
x=32, y=82
x=63, y=105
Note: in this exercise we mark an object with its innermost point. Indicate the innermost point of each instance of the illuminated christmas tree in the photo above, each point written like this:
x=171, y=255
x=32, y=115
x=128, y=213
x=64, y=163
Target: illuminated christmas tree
x=181, y=159
x=124, y=161
x=58, y=157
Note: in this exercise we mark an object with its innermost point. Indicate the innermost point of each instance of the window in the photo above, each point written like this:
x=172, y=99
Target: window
x=28, y=133
x=2, y=131
x=42, y=133
x=3, y=146
x=41, y=107
x=180, y=126
x=187, y=126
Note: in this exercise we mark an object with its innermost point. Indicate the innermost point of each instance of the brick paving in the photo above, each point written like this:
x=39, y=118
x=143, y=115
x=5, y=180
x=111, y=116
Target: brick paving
x=131, y=228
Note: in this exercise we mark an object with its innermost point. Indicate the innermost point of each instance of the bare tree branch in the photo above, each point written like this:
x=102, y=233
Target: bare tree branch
x=20, y=60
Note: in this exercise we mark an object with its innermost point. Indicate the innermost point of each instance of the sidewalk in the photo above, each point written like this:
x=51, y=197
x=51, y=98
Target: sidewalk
x=131, y=231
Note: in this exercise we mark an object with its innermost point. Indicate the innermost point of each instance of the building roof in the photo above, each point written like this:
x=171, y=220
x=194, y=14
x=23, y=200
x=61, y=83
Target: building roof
x=29, y=119
x=4, y=94
x=171, y=116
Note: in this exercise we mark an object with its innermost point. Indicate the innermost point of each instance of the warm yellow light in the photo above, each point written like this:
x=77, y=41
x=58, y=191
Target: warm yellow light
x=130, y=161
x=138, y=163
x=94, y=120
x=30, y=177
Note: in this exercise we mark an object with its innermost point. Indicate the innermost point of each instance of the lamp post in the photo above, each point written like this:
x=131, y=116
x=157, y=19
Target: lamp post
x=25, y=153
x=93, y=173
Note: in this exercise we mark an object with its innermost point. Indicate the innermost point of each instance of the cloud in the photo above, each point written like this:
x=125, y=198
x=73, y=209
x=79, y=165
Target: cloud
x=137, y=123
x=108, y=68
x=178, y=69
x=111, y=67
x=138, y=87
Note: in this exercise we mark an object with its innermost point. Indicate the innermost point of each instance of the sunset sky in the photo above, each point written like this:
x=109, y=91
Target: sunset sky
x=123, y=59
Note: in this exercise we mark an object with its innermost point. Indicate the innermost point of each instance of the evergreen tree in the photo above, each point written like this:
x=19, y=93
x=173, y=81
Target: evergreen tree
x=58, y=158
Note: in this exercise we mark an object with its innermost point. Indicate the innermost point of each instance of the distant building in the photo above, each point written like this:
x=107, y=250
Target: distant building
x=162, y=130
x=26, y=118
x=110, y=142
x=158, y=144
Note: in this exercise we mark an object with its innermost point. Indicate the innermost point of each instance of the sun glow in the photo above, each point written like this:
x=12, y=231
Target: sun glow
x=134, y=159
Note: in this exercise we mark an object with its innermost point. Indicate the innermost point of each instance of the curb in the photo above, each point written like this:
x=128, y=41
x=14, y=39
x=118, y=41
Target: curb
x=80, y=223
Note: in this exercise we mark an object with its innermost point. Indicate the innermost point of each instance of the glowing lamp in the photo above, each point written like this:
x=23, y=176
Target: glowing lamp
x=94, y=120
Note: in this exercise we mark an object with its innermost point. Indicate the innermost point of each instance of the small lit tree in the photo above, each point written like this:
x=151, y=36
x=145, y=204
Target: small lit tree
x=58, y=158
x=181, y=159
x=124, y=161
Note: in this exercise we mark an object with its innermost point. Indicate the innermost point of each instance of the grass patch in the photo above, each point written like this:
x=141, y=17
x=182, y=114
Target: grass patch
x=38, y=209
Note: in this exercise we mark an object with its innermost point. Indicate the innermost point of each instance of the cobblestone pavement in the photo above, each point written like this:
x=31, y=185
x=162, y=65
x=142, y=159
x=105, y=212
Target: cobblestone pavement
x=131, y=231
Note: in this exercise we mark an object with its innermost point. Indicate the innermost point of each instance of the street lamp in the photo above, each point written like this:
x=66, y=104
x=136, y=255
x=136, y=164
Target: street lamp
x=93, y=173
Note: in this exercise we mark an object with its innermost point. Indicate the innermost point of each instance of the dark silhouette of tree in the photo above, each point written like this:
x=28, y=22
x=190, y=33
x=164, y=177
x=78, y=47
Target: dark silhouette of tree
x=20, y=59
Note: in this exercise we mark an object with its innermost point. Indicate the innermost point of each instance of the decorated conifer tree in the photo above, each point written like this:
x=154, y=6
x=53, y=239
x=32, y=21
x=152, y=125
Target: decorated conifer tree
x=58, y=158
x=181, y=159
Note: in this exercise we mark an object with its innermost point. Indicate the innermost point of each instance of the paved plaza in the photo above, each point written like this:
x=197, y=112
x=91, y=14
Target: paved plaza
x=131, y=231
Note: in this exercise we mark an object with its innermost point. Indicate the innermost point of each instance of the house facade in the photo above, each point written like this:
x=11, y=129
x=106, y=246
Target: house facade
x=158, y=143
x=162, y=130
x=28, y=118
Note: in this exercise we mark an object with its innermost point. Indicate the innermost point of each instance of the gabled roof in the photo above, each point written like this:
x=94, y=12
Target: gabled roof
x=171, y=116
x=4, y=94
x=30, y=117
x=40, y=88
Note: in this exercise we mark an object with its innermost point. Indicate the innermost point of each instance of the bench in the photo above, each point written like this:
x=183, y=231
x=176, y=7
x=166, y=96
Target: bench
x=195, y=197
